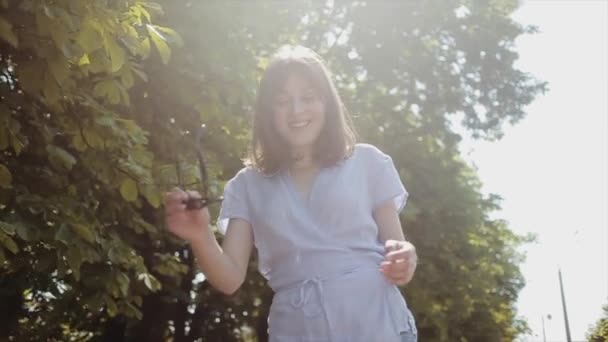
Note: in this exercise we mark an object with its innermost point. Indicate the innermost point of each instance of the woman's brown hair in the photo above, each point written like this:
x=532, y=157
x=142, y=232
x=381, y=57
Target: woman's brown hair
x=337, y=138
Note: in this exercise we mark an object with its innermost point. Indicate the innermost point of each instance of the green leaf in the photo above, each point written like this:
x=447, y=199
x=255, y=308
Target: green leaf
x=150, y=228
x=170, y=35
x=128, y=190
x=49, y=11
x=131, y=40
x=114, y=255
x=92, y=138
x=106, y=121
x=151, y=194
x=8, y=243
x=123, y=283
x=5, y=177
x=34, y=203
x=100, y=62
x=84, y=60
x=141, y=13
x=25, y=232
x=74, y=260
x=117, y=54
x=17, y=142
x=64, y=234
x=124, y=95
x=84, y=232
x=7, y=34
x=141, y=74
x=160, y=42
x=127, y=78
x=88, y=37
x=144, y=48
x=108, y=89
x=111, y=306
x=150, y=281
x=170, y=266
x=71, y=50
x=7, y=228
x=132, y=311
x=60, y=158
x=78, y=143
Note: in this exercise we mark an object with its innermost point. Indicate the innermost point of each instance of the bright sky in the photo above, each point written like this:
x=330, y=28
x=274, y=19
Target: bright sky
x=552, y=167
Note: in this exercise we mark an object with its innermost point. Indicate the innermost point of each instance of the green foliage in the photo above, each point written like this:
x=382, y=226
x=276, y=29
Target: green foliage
x=76, y=171
x=599, y=332
x=97, y=102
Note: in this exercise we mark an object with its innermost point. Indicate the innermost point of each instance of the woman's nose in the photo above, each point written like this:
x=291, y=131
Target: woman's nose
x=298, y=106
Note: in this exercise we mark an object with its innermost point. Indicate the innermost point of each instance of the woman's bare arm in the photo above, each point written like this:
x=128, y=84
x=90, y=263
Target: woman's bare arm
x=225, y=266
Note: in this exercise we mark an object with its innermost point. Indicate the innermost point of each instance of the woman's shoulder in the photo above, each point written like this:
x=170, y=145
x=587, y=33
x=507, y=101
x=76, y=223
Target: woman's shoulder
x=367, y=151
x=247, y=172
x=249, y=175
x=371, y=157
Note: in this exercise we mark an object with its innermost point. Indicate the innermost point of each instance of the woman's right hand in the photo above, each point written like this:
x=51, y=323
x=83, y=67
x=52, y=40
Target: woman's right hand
x=188, y=225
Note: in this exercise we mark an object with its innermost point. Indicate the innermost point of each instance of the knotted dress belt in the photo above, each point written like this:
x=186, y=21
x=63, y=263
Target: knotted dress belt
x=305, y=290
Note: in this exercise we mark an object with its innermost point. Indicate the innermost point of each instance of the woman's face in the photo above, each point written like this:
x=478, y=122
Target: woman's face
x=299, y=113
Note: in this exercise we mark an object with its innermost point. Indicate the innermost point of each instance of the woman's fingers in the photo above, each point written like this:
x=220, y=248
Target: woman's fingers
x=174, y=201
x=193, y=194
x=176, y=195
x=400, y=278
x=399, y=262
x=172, y=210
x=399, y=271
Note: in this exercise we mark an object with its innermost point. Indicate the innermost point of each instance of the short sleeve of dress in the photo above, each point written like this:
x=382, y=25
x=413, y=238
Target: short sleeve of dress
x=235, y=204
x=384, y=181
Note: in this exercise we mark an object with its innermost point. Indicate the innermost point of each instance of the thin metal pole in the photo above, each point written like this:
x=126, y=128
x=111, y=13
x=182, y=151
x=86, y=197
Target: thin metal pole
x=561, y=287
x=544, y=336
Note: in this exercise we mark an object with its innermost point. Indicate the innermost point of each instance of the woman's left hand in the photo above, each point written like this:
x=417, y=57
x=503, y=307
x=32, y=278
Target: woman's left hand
x=399, y=262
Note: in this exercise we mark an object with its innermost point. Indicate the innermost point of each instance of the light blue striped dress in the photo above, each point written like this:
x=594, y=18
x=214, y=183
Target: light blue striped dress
x=321, y=254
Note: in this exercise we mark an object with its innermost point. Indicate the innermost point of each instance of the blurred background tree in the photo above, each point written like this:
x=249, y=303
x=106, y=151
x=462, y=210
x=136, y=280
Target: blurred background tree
x=99, y=98
x=599, y=331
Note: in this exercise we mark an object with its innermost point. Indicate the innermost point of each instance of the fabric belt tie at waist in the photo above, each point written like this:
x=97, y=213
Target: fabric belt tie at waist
x=305, y=292
x=306, y=287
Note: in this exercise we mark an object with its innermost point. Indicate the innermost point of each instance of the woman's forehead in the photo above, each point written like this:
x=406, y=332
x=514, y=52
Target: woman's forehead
x=297, y=82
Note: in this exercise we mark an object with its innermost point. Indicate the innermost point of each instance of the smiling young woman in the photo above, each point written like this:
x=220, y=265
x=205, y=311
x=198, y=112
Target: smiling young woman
x=321, y=211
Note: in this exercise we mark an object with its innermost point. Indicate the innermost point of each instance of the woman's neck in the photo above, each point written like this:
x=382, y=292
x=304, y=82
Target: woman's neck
x=302, y=160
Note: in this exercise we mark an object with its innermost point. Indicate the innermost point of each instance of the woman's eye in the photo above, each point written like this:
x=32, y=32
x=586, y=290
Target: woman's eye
x=281, y=102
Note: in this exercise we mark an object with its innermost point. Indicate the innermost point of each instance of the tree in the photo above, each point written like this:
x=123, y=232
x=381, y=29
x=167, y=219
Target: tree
x=599, y=332
x=100, y=100
x=79, y=228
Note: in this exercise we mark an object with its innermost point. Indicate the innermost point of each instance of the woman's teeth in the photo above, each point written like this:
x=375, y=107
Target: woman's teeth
x=299, y=124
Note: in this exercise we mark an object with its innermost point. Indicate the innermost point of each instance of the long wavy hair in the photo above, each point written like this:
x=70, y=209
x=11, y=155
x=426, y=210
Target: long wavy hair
x=268, y=151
